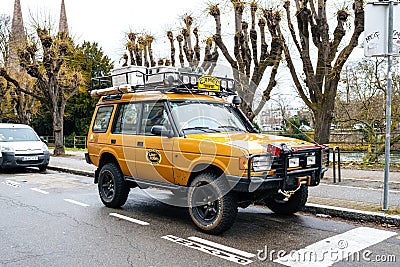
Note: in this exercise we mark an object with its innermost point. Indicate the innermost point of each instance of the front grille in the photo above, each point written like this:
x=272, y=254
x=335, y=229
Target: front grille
x=29, y=152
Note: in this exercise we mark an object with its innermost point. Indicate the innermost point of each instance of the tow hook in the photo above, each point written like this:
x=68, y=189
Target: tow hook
x=288, y=194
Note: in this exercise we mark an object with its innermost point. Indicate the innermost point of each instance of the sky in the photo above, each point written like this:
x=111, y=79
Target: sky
x=107, y=22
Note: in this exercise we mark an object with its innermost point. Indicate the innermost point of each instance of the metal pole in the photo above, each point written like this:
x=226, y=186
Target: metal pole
x=388, y=109
x=334, y=166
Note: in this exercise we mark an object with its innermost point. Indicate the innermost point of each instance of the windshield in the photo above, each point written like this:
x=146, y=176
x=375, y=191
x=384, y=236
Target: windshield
x=17, y=135
x=208, y=117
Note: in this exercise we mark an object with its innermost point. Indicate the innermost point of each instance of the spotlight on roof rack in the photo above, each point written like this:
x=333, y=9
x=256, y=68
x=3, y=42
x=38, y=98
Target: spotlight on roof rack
x=236, y=100
x=169, y=81
x=193, y=80
x=230, y=84
x=223, y=84
x=185, y=79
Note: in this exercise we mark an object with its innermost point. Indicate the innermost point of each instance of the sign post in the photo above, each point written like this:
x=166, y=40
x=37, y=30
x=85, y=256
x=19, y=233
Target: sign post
x=382, y=38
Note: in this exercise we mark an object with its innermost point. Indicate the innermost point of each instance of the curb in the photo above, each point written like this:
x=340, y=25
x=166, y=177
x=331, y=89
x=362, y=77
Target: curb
x=352, y=214
x=72, y=171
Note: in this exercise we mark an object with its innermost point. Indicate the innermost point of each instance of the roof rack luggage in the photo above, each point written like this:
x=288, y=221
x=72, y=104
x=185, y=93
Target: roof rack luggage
x=137, y=78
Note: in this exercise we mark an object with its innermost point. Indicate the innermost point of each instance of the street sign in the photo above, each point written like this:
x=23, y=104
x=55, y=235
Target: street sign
x=376, y=29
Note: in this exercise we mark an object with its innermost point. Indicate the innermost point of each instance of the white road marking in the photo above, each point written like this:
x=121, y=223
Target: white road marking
x=76, y=202
x=363, y=188
x=222, y=247
x=336, y=248
x=40, y=191
x=11, y=183
x=128, y=219
x=209, y=250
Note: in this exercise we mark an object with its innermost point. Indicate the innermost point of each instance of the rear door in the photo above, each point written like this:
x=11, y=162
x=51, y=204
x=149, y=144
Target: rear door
x=124, y=136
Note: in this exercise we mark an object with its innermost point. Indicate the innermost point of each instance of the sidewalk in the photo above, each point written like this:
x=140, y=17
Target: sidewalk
x=358, y=196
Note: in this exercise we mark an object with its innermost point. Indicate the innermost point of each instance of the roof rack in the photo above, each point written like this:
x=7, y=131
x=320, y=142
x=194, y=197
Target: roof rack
x=166, y=79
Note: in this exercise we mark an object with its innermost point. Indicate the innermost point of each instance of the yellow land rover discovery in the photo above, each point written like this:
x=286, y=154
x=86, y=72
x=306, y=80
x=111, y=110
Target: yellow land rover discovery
x=158, y=127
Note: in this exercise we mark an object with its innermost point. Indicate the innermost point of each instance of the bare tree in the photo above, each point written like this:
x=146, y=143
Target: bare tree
x=19, y=103
x=249, y=64
x=362, y=103
x=4, y=35
x=140, y=50
x=321, y=78
x=55, y=82
x=193, y=53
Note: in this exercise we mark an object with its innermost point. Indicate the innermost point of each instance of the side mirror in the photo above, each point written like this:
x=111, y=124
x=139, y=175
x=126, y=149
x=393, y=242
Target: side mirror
x=161, y=131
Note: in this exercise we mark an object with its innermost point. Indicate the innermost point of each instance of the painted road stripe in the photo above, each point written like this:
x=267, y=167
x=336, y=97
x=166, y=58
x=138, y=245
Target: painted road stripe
x=222, y=247
x=40, y=191
x=128, y=219
x=209, y=250
x=11, y=183
x=336, y=248
x=76, y=202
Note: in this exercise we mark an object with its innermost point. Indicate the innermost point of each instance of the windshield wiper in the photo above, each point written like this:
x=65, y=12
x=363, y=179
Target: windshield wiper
x=200, y=128
x=234, y=128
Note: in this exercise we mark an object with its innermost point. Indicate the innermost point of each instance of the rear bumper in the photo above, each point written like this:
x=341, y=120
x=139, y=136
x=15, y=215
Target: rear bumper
x=10, y=160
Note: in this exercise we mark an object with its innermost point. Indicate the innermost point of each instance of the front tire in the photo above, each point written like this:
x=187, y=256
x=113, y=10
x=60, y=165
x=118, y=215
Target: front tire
x=286, y=207
x=212, y=207
x=113, y=189
x=43, y=168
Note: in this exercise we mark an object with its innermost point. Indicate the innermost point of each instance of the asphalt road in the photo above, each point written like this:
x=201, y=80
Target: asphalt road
x=57, y=219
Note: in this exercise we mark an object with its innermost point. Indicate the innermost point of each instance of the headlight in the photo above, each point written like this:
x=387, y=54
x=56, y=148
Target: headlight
x=261, y=163
x=258, y=163
x=45, y=148
x=7, y=148
x=294, y=162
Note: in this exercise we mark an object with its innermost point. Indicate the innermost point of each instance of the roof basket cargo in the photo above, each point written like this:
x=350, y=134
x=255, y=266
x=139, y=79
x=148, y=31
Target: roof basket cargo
x=137, y=78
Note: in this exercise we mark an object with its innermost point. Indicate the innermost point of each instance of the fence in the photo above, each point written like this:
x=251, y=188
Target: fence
x=69, y=141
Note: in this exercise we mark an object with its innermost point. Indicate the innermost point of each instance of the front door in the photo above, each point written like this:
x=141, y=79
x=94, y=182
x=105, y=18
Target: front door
x=154, y=153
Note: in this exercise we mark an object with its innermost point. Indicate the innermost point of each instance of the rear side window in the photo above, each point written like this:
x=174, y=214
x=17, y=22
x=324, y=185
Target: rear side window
x=102, y=119
x=127, y=118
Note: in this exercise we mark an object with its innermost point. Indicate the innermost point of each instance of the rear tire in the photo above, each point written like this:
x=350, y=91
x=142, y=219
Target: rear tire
x=212, y=207
x=113, y=189
x=286, y=207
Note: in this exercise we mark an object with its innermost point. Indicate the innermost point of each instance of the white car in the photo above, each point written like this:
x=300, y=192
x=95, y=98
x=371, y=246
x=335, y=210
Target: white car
x=304, y=127
x=21, y=147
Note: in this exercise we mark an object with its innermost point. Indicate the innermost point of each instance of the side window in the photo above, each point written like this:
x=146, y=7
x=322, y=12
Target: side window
x=102, y=119
x=127, y=119
x=154, y=114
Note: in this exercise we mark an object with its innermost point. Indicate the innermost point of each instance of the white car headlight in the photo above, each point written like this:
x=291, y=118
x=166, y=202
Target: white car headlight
x=7, y=148
x=45, y=148
x=262, y=163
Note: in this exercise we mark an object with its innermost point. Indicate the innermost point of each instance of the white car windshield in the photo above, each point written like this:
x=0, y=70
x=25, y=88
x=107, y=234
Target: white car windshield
x=206, y=117
x=17, y=135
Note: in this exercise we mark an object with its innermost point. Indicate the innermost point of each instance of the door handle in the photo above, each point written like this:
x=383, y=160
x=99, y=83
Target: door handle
x=139, y=143
x=113, y=141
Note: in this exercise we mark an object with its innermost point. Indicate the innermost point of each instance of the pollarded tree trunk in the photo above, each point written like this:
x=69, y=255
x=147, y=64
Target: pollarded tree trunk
x=321, y=77
x=58, y=132
x=55, y=82
x=323, y=117
x=248, y=64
